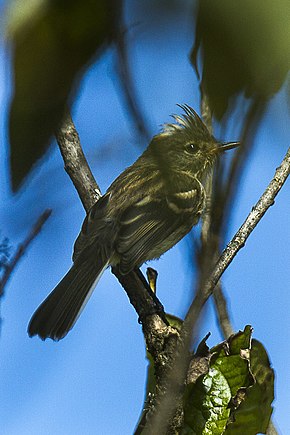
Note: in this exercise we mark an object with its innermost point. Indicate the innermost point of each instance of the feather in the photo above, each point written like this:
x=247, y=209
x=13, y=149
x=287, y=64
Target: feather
x=149, y=228
x=60, y=310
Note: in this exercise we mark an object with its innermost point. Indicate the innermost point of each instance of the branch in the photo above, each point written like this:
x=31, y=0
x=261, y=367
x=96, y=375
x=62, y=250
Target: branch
x=222, y=311
x=76, y=164
x=10, y=266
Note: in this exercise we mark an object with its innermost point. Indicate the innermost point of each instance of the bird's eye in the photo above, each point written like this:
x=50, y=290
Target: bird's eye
x=191, y=148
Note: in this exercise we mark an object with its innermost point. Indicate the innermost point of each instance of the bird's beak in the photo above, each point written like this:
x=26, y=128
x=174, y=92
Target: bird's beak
x=227, y=146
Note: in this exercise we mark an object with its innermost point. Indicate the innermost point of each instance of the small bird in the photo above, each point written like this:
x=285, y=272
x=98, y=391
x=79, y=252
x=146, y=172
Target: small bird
x=150, y=207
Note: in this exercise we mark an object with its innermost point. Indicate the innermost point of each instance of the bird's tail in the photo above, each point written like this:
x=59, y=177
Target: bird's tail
x=60, y=310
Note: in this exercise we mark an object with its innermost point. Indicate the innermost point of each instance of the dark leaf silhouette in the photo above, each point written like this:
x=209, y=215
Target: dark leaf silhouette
x=52, y=47
x=244, y=48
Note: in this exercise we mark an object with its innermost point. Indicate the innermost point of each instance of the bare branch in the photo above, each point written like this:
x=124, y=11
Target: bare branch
x=76, y=164
x=10, y=266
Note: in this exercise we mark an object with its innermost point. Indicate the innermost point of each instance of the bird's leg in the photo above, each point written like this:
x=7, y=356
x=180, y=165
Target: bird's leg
x=140, y=294
x=152, y=294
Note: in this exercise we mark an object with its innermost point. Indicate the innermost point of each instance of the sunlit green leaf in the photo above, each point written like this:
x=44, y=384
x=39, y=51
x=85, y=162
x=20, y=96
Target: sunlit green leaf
x=209, y=400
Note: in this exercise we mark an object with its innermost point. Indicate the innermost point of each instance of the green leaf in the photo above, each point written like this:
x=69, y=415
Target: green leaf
x=209, y=400
x=253, y=415
x=206, y=404
x=53, y=43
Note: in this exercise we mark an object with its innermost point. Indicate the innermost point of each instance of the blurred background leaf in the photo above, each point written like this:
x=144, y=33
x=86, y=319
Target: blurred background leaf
x=244, y=46
x=53, y=43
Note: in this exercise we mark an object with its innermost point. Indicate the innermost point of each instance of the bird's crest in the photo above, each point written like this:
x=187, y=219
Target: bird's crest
x=189, y=120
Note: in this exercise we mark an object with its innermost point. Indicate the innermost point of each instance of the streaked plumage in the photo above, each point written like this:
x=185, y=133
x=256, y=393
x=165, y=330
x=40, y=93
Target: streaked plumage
x=150, y=207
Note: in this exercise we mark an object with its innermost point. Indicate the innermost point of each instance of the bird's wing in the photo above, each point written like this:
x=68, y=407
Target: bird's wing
x=95, y=227
x=151, y=226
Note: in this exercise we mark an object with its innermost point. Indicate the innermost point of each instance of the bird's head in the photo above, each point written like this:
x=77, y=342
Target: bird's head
x=187, y=145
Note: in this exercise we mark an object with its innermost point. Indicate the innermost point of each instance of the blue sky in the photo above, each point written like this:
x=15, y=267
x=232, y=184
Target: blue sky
x=93, y=380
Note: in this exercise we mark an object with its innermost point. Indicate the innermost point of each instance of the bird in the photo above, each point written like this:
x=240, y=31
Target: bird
x=149, y=208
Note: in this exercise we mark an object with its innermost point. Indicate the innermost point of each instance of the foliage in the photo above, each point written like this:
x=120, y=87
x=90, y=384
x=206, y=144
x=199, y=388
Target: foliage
x=229, y=390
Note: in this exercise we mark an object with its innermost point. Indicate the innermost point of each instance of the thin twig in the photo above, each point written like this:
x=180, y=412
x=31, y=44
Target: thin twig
x=126, y=80
x=271, y=430
x=10, y=266
x=206, y=219
x=222, y=311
